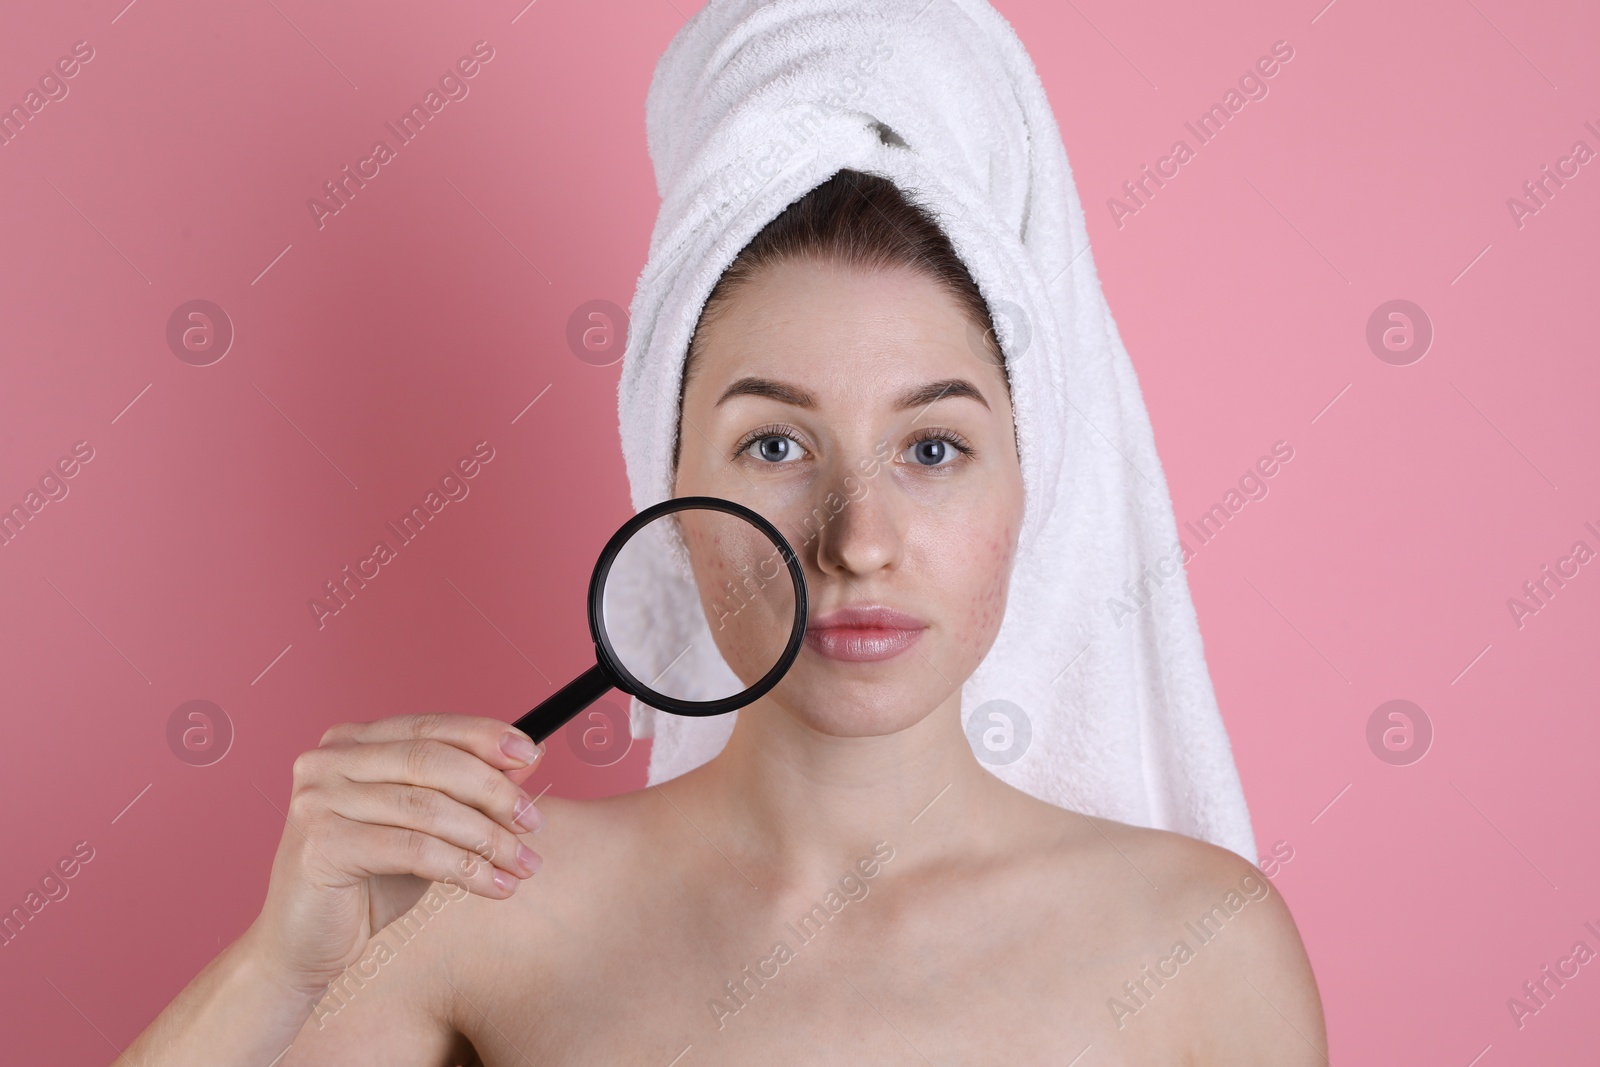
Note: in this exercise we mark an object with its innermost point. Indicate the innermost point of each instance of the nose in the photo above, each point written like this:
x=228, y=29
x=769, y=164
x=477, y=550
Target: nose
x=863, y=529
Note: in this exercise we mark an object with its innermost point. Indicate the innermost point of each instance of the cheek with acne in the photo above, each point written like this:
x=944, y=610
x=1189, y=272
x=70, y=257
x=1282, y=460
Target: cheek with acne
x=981, y=618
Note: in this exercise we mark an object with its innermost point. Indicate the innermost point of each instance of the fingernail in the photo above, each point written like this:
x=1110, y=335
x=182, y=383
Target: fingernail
x=519, y=746
x=504, y=880
x=525, y=815
x=528, y=859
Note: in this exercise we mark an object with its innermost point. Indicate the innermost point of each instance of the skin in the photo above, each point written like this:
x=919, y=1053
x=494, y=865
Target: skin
x=968, y=921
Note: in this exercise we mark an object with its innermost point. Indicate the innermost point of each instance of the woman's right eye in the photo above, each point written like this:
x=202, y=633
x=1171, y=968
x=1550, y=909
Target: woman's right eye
x=775, y=449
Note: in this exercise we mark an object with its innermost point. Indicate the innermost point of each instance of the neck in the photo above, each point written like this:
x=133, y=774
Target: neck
x=803, y=805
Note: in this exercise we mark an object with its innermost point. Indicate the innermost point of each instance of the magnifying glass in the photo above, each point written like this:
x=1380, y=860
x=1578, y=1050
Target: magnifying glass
x=752, y=589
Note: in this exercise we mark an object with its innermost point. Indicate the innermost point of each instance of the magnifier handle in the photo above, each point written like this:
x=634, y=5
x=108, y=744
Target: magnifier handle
x=564, y=703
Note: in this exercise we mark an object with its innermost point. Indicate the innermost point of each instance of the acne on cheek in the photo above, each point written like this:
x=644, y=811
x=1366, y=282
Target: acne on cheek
x=983, y=614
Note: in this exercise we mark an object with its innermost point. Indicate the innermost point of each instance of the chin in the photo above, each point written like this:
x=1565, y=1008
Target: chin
x=841, y=699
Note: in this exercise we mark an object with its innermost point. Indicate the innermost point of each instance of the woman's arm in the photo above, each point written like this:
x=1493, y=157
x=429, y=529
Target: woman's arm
x=378, y=1010
x=380, y=814
x=239, y=1003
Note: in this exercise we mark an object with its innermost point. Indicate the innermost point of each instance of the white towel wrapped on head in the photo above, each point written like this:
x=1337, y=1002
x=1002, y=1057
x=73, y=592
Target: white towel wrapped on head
x=756, y=102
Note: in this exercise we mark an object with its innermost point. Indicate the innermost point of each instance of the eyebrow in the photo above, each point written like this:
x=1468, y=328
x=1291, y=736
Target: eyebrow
x=918, y=397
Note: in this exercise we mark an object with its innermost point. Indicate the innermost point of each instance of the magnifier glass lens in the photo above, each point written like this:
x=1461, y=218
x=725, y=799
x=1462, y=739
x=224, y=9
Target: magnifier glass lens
x=746, y=593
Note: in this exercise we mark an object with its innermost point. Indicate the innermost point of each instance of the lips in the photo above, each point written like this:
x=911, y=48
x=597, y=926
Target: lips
x=863, y=633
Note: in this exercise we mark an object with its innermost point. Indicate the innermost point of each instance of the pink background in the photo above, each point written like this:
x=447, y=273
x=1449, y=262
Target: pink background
x=374, y=352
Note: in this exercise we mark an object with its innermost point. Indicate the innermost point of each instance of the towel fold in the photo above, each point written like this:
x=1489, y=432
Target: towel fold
x=756, y=102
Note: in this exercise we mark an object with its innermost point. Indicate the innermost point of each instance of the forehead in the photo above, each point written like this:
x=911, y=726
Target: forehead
x=847, y=334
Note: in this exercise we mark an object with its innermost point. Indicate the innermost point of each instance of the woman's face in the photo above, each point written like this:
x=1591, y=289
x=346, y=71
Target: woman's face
x=860, y=413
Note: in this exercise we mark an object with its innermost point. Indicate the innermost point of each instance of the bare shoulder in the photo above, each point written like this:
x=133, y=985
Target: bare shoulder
x=584, y=846
x=1214, y=948
x=440, y=974
x=509, y=960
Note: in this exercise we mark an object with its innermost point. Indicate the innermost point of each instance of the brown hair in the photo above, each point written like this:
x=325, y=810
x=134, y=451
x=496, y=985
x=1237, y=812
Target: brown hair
x=856, y=219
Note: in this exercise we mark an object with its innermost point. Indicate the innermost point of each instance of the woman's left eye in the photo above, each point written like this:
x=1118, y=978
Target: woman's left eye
x=936, y=450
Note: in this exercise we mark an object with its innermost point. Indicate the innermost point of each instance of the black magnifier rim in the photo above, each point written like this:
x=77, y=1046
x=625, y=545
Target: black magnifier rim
x=606, y=655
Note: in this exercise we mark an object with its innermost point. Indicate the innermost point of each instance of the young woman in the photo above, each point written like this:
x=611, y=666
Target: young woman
x=845, y=879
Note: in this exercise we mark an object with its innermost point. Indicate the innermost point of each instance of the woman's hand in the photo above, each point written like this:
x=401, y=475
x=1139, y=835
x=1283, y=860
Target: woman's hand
x=378, y=811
